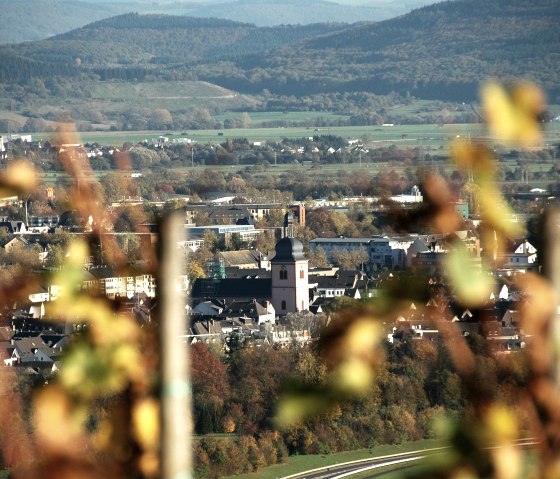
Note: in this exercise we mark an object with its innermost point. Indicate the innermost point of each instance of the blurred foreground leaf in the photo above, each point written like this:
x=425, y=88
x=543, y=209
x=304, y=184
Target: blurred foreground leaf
x=513, y=114
x=470, y=280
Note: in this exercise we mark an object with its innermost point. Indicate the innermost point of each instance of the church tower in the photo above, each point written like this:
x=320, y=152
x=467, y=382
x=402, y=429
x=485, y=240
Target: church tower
x=290, y=285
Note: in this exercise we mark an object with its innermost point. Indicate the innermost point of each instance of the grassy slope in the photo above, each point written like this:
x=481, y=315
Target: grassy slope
x=114, y=96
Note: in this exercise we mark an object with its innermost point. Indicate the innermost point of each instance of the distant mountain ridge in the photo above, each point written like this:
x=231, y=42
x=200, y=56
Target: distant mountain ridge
x=38, y=19
x=29, y=20
x=439, y=51
x=134, y=39
x=274, y=12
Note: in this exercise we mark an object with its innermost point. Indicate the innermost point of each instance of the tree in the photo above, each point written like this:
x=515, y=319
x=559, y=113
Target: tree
x=210, y=389
x=115, y=187
x=320, y=222
x=160, y=119
x=142, y=158
x=256, y=375
x=265, y=242
x=275, y=218
x=342, y=225
x=128, y=218
x=22, y=255
x=55, y=256
x=236, y=243
x=317, y=257
x=246, y=121
x=306, y=321
x=131, y=245
x=350, y=258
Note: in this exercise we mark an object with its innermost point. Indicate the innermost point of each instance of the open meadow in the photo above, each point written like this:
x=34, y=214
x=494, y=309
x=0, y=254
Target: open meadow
x=431, y=137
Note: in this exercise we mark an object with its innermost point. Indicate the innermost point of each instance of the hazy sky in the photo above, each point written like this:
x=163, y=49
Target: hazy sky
x=369, y=3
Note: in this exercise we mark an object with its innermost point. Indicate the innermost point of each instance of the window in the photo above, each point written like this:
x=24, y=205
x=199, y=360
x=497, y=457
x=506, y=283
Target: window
x=283, y=305
x=283, y=273
x=301, y=274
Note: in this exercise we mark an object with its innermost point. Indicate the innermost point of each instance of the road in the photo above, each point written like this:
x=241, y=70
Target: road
x=347, y=469
x=405, y=459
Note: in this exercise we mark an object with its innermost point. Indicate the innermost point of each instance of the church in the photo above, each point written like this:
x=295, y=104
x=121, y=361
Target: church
x=287, y=286
x=290, y=277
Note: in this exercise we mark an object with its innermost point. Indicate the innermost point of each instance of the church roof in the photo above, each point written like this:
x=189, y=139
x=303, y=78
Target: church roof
x=232, y=288
x=288, y=249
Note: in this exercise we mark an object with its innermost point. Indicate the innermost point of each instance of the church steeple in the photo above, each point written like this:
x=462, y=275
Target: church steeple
x=290, y=285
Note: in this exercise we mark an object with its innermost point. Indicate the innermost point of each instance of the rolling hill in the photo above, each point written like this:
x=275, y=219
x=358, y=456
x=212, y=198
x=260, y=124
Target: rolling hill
x=439, y=51
x=134, y=39
x=31, y=20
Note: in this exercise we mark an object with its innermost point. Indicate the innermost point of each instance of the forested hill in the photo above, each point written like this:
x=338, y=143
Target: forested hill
x=30, y=20
x=439, y=51
x=442, y=51
x=133, y=39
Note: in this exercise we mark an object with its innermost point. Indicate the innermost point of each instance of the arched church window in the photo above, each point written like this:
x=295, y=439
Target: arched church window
x=283, y=305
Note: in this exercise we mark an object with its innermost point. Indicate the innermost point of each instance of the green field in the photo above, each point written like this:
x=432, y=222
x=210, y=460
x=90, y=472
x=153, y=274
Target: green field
x=296, y=464
x=299, y=116
x=418, y=107
x=404, y=135
x=432, y=137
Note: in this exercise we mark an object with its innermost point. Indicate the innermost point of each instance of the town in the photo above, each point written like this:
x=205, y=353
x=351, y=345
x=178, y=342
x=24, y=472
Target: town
x=274, y=262
x=268, y=272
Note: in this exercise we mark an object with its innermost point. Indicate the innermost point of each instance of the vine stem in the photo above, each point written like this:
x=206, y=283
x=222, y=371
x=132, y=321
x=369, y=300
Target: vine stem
x=176, y=455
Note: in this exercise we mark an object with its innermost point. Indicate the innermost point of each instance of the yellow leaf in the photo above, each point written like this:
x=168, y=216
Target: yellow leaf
x=293, y=409
x=496, y=212
x=473, y=156
x=362, y=337
x=501, y=423
x=513, y=116
x=146, y=423
x=470, y=280
x=353, y=376
x=20, y=175
x=57, y=424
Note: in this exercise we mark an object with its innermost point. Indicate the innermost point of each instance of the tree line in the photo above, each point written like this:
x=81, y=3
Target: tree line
x=236, y=394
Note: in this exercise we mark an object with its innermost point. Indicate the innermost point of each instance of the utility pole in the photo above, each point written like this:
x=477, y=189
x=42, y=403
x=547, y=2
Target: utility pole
x=192, y=156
